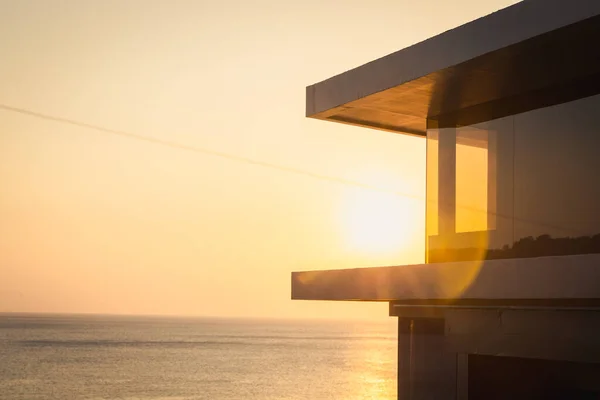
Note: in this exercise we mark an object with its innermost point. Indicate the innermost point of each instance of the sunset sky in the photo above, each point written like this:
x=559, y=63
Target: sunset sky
x=92, y=222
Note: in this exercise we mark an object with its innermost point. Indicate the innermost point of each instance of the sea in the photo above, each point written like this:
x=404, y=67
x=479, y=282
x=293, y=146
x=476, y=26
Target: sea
x=150, y=358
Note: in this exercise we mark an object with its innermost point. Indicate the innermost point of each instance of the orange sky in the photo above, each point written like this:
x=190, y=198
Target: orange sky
x=93, y=222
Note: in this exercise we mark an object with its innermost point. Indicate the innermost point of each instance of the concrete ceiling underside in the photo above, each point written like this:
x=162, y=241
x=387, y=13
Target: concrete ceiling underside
x=534, y=54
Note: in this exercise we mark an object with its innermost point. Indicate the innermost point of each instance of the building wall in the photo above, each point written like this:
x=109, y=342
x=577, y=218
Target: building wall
x=496, y=353
x=526, y=185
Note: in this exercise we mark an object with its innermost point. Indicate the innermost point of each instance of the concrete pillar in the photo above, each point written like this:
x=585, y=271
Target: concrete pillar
x=447, y=181
x=425, y=370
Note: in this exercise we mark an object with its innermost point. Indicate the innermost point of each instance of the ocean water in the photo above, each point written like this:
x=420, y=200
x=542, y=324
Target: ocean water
x=93, y=357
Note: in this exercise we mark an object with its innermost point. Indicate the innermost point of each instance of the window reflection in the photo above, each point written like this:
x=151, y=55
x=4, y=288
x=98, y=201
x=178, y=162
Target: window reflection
x=557, y=188
x=520, y=186
x=467, y=215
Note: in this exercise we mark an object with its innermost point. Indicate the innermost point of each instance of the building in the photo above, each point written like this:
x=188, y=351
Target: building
x=508, y=303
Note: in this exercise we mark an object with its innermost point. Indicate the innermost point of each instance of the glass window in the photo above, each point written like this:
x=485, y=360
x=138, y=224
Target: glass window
x=557, y=183
x=469, y=190
x=522, y=186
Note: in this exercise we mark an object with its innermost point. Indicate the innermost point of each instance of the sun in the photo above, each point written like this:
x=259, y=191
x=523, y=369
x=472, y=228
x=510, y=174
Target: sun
x=380, y=223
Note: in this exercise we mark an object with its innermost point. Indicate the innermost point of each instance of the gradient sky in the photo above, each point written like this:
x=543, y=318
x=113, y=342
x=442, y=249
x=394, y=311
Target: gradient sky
x=94, y=222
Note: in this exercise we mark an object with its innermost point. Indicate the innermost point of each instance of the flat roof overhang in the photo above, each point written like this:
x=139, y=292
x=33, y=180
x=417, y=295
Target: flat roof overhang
x=533, y=54
x=560, y=279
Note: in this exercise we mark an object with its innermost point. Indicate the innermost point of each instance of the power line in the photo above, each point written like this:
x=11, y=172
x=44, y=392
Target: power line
x=250, y=161
x=202, y=150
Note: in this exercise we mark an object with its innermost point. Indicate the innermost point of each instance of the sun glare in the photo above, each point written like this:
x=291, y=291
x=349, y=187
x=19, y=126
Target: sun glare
x=379, y=223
